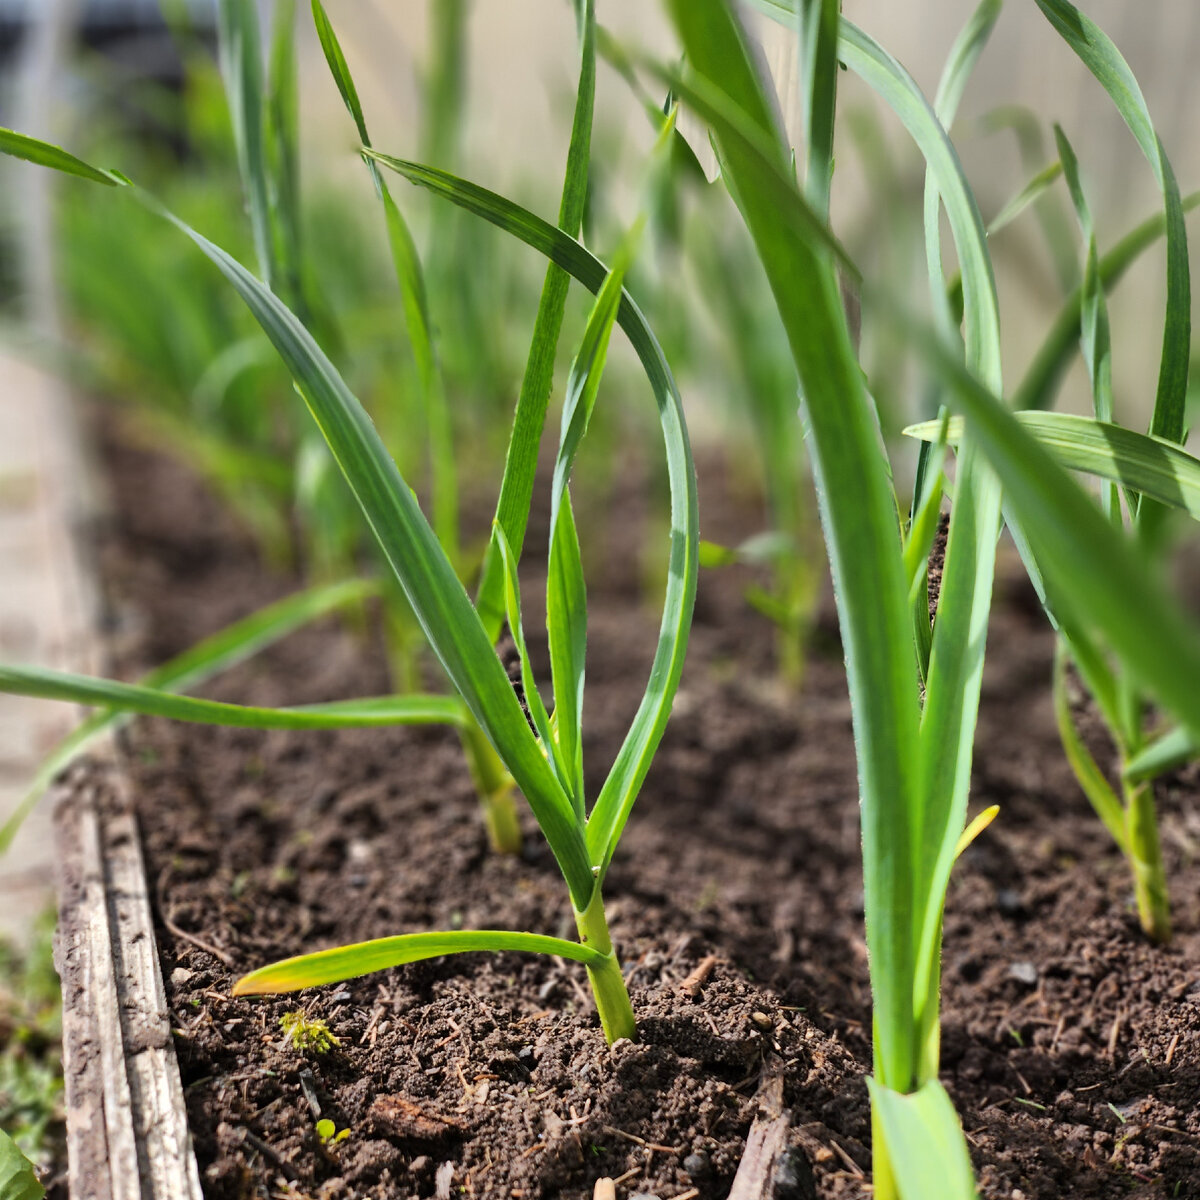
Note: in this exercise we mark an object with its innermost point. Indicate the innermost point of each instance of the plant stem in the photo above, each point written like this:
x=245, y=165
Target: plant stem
x=881, y=1166
x=495, y=787
x=1145, y=856
x=608, y=984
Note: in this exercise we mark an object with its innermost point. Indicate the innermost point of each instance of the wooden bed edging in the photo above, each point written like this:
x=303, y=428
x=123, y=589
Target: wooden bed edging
x=127, y=1130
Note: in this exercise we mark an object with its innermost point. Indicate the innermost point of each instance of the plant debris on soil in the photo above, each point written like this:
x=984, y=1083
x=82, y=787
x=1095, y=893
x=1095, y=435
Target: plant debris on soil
x=1069, y=1046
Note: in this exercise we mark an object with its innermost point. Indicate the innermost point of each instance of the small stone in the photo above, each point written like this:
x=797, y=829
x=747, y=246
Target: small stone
x=643, y=1196
x=180, y=976
x=794, y=1178
x=419, y=1164
x=1023, y=972
x=698, y=1165
x=1008, y=901
x=762, y=1021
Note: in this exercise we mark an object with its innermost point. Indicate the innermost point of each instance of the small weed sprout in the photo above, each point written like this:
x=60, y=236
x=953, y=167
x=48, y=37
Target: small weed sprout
x=308, y=1035
x=329, y=1133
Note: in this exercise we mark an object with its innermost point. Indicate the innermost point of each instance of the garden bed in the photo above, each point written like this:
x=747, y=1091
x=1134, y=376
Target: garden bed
x=1069, y=1044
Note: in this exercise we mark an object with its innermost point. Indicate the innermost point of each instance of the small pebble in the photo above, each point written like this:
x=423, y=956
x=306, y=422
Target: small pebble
x=698, y=1165
x=1023, y=972
x=762, y=1021
x=794, y=1178
x=1008, y=902
x=180, y=976
x=643, y=1196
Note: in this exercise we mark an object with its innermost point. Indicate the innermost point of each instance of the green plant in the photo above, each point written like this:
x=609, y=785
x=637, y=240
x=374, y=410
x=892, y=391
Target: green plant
x=915, y=689
x=543, y=751
x=329, y=1133
x=309, y=1035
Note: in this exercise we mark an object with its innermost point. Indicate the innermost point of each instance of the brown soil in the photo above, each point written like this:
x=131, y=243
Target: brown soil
x=1069, y=1045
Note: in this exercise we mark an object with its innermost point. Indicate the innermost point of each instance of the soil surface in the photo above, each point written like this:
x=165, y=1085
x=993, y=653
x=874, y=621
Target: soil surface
x=1070, y=1045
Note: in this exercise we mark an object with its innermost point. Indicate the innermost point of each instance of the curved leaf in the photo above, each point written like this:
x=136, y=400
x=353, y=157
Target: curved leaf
x=924, y=1142
x=1174, y=748
x=207, y=658
x=136, y=698
x=20, y=145
x=857, y=507
x=1152, y=466
x=411, y=278
x=1104, y=60
x=348, y=962
x=1044, y=373
x=520, y=464
x=612, y=807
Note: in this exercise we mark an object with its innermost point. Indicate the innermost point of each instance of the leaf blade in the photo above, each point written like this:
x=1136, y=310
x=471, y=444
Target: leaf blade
x=361, y=958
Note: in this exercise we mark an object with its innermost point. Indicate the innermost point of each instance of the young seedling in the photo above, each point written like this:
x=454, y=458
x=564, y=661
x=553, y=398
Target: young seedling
x=545, y=759
x=329, y=1134
x=308, y=1035
x=1147, y=473
x=914, y=689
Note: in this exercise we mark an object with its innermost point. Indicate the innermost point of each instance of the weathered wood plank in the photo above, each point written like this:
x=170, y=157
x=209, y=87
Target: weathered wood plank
x=127, y=1134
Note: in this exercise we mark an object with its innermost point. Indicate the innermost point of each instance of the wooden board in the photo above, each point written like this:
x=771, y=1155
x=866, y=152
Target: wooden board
x=127, y=1133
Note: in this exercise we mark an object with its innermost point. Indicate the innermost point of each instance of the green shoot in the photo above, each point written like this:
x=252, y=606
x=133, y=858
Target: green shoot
x=308, y=1035
x=545, y=767
x=914, y=753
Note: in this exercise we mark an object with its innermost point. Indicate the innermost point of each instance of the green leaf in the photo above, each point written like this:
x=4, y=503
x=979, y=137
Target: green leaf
x=633, y=760
x=1152, y=466
x=1048, y=366
x=1030, y=193
x=201, y=662
x=1091, y=779
x=20, y=145
x=566, y=594
x=150, y=702
x=1104, y=60
x=442, y=607
x=348, y=962
x=1093, y=312
x=857, y=508
x=18, y=1180
x=955, y=664
x=1090, y=567
x=406, y=262
x=923, y=1141
x=512, y=607
x=283, y=127
x=239, y=41
x=1172, y=749
x=520, y=465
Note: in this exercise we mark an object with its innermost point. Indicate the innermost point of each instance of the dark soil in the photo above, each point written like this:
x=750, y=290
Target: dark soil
x=1070, y=1044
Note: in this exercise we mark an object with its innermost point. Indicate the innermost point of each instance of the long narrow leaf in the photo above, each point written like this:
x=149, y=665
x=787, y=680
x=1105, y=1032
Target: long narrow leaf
x=200, y=662
x=240, y=43
x=1091, y=779
x=1104, y=60
x=437, y=597
x=1048, y=366
x=1093, y=313
x=516, y=486
x=150, y=702
x=613, y=805
x=347, y=962
x=20, y=145
x=1152, y=466
x=857, y=509
x=406, y=262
